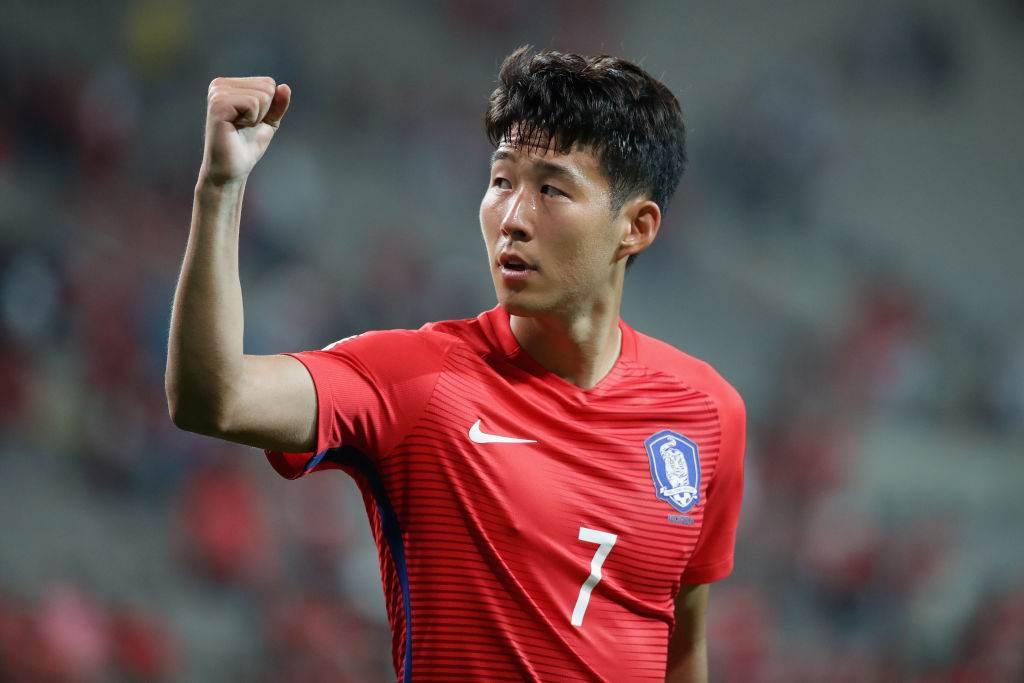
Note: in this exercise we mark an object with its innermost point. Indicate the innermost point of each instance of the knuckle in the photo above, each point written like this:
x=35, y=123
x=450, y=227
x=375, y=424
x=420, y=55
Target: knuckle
x=254, y=93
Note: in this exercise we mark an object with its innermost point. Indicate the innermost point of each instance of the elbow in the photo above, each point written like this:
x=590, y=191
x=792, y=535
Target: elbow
x=185, y=414
x=182, y=416
x=196, y=413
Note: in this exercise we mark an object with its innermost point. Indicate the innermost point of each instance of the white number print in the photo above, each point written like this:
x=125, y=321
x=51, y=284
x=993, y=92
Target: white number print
x=605, y=542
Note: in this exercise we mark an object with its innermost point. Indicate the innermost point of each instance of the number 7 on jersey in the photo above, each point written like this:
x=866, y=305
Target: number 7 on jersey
x=605, y=542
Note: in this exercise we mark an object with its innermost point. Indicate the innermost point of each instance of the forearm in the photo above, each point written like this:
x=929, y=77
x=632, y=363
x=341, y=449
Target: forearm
x=204, y=357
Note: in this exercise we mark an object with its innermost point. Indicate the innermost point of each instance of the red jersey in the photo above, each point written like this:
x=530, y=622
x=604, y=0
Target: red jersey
x=529, y=529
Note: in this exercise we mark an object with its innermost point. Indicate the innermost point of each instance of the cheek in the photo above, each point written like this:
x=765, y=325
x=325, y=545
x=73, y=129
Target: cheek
x=577, y=258
x=592, y=253
x=488, y=211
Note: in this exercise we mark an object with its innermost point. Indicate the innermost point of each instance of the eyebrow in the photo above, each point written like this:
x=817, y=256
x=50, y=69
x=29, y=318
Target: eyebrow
x=549, y=168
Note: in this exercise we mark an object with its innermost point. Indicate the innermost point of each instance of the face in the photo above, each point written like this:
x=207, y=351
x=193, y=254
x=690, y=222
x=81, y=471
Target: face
x=553, y=242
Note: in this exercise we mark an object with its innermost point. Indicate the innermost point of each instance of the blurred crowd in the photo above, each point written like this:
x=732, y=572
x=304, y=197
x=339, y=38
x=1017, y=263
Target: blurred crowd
x=98, y=155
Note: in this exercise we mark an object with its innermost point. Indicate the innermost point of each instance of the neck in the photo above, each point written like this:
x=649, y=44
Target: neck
x=581, y=350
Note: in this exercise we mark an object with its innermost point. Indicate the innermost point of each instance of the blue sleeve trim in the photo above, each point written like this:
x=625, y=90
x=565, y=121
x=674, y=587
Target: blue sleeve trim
x=349, y=456
x=314, y=461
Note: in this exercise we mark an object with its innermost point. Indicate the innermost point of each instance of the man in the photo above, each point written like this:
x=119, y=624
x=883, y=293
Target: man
x=550, y=491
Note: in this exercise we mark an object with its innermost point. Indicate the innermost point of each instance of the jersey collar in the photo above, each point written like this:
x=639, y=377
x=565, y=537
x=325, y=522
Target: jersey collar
x=498, y=329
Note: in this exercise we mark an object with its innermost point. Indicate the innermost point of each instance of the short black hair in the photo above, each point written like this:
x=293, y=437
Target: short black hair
x=631, y=121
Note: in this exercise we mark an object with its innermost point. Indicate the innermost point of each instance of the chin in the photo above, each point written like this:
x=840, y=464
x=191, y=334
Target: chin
x=511, y=306
x=524, y=303
x=520, y=306
x=518, y=311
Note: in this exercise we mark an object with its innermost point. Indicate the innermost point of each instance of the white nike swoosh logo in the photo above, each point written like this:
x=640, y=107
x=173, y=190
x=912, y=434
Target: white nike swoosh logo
x=476, y=435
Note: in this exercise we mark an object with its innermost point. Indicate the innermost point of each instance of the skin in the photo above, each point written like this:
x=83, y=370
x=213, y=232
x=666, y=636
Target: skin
x=212, y=387
x=552, y=211
x=688, y=645
x=548, y=211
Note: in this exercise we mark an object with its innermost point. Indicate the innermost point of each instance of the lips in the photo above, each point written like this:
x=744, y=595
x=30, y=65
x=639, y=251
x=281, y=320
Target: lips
x=515, y=270
x=511, y=261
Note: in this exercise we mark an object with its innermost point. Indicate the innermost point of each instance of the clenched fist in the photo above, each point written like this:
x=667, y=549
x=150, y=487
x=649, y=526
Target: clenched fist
x=242, y=115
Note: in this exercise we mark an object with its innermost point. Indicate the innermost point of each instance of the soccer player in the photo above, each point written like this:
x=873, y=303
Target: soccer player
x=551, y=492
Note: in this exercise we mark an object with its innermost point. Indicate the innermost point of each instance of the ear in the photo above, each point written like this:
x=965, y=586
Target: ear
x=643, y=219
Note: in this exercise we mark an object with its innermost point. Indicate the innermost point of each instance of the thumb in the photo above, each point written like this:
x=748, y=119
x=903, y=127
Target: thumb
x=278, y=106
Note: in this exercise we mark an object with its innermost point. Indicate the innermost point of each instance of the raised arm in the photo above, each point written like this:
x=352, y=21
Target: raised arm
x=212, y=387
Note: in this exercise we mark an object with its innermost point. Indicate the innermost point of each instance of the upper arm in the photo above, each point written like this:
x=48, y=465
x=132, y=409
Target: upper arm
x=687, y=646
x=274, y=406
x=712, y=557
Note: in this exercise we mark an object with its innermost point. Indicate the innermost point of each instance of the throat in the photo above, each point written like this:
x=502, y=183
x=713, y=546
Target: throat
x=582, y=355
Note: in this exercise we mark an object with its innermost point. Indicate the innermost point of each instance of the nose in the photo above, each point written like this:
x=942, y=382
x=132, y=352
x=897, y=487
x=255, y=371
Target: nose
x=517, y=223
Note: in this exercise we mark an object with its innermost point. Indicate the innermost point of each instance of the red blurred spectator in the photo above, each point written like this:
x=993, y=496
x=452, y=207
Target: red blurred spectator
x=802, y=458
x=224, y=526
x=14, y=374
x=142, y=647
x=993, y=650
x=73, y=631
x=842, y=547
x=881, y=356
x=316, y=638
x=740, y=634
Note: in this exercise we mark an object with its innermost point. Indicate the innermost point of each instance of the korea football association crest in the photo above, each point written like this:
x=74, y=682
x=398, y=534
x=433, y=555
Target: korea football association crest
x=675, y=468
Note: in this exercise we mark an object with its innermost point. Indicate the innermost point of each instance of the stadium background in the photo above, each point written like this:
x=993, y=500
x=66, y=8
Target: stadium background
x=845, y=248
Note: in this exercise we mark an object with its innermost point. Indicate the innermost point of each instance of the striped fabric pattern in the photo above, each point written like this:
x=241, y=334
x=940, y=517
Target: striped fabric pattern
x=487, y=545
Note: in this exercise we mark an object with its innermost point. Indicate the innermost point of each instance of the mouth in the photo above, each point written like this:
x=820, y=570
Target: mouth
x=514, y=271
x=511, y=262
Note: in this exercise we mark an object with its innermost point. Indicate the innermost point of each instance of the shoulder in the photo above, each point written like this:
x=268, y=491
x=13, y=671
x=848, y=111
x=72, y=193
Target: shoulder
x=465, y=330
x=404, y=347
x=661, y=357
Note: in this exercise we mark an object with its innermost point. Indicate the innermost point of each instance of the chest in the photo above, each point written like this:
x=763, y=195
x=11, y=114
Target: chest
x=540, y=475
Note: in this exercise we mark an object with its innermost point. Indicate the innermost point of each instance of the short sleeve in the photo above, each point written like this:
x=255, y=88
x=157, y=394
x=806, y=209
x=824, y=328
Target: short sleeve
x=712, y=558
x=370, y=389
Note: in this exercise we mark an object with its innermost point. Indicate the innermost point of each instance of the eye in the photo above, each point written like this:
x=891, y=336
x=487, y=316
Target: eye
x=502, y=183
x=551, y=190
